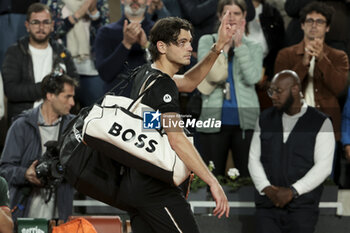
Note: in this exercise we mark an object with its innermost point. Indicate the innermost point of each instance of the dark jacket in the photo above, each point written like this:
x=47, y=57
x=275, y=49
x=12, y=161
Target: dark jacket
x=22, y=147
x=273, y=27
x=286, y=163
x=18, y=75
x=329, y=79
x=202, y=15
x=339, y=34
x=15, y=6
x=113, y=60
x=5, y=6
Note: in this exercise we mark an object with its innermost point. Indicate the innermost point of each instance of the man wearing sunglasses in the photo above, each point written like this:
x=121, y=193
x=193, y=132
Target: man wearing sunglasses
x=22, y=163
x=27, y=62
x=290, y=156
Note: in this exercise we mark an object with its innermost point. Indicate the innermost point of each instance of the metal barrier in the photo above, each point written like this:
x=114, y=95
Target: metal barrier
x=249, y=204
x=233, y=204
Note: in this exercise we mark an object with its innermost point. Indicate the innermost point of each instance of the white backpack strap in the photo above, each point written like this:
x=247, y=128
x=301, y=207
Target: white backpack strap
x=142, y=92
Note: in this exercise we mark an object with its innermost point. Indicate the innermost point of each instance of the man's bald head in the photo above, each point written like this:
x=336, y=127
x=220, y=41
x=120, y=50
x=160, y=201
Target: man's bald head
x=289, y=75
x=285, y=92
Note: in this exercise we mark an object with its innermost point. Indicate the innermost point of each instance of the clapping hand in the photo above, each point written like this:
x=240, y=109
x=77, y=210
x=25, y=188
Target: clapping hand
x=131, y=33
x=239, y=33
x=313, y=48
x=225, y=32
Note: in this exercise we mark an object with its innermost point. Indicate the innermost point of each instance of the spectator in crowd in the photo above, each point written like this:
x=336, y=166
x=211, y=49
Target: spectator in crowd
x=157, y=9
x=12, y=18
x=72, y=18
x=173, y=8
x=25, y=145
x=322, y=70
x=290, y=156
x=34, y=56
x=294, y=33
x=228, y=93
x=202, y=14
x=267, y=28
x=279, y=5
x=339, y=34
x=6, y=223
x=345, y=127
x=122, y=45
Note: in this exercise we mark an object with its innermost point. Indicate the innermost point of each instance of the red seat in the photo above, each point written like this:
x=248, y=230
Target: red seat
x=104, y=224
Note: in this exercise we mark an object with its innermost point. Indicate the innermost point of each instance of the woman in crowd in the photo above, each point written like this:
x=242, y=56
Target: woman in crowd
x=228, y=93
x=76, y=24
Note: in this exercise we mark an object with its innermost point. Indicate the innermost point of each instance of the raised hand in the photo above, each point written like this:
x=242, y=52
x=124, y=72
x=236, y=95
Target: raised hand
x=131, y=33
x=317, y=48
x=142, y=38
x=225, y=32
x=239, y=33
x=307, y=56
x=313, y=48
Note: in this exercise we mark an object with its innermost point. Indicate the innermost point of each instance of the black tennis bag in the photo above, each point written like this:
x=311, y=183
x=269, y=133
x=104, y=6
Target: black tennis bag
x=87, y=170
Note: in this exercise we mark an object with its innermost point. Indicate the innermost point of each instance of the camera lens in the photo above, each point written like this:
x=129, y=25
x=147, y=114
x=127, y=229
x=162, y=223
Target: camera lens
x=41, y=170
x=59, y=168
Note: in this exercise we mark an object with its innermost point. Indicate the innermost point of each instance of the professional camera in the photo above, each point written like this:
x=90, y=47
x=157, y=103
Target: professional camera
x=49, y=169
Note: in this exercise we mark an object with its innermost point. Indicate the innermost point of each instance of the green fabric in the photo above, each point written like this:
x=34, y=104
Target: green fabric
x=4, y=194
x=247, y=70
x=211, y=108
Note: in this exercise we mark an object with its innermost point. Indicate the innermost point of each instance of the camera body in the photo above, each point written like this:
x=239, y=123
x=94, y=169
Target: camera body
x=49, y=169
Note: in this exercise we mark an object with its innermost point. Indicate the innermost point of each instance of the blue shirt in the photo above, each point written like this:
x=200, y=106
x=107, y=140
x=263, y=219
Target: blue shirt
x=230, y=107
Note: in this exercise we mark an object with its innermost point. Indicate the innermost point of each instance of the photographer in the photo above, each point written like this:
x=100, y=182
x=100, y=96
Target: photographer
x=23, y=164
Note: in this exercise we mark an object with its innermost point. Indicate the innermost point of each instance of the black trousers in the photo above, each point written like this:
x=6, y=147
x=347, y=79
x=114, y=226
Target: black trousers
x=161, y=219
x=215, y=147
x=277, y=220
x=154, y=206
